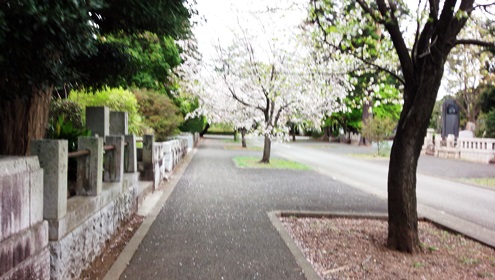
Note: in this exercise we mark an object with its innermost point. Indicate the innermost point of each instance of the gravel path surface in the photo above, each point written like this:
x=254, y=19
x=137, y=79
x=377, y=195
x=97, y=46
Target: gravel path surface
x=215, y=223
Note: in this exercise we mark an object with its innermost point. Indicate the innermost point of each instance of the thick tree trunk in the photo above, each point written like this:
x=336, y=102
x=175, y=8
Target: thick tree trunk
x=411, y=130
x=243, y=137
x=402, y=205
x=23, y=119
x=266, y=150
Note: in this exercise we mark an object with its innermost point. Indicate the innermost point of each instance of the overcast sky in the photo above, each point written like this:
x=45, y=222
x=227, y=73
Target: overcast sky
x=223, y=16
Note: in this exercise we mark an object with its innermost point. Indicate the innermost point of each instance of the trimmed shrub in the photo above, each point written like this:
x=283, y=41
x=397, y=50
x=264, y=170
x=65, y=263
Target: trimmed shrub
x=116, y=99
x=159, y=112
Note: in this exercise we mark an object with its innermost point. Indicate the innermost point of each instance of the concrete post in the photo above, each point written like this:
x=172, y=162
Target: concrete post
x=98, y=120
x=438, y=143
x=148, y=173
x=114, y=159
x=119, y=123
x=130, y=154
x=90, y=167
x=52, y=155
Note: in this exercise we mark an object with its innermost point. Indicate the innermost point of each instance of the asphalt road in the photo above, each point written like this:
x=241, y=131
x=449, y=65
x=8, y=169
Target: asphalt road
x=464, y=207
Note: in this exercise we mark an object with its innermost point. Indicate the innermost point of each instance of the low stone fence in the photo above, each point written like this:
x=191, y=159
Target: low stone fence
x=44, y=233
x=477, y=149
x=480, y=150
x=79, y=226
x=158, y=159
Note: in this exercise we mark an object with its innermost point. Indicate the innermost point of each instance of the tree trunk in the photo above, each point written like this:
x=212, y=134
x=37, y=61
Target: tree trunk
x=293, y=126
x=367, y=115
x=243, y=135
x=23, y=119
x=409, y=138
x=402, y=205
x=205, y=130
x=267, y=150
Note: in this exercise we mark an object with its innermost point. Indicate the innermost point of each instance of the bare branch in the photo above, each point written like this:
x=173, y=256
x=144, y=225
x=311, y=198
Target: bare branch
x=474, y=42
x=481, y=6
x=369, y=63
x=236, y=97
x=371, y=12
x=392, y=26
x=280, y=110
x=383, y=69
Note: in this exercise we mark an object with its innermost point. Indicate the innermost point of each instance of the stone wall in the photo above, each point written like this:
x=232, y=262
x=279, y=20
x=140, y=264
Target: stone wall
x=159, y=158
x=23, y=233
x=75, y=251
x=44, y=234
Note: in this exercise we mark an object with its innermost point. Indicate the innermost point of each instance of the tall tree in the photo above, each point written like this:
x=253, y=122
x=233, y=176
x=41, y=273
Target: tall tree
x=420, y=70
x=264, y=82
x=46, y=44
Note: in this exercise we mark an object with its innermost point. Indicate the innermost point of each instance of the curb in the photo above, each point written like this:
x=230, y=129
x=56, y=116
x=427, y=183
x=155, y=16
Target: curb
x=306, y=266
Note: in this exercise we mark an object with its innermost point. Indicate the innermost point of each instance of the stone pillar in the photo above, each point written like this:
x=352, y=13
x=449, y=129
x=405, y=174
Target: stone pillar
x=451, y=141
x=114, y=159
x=24, y=250
x=98, y=120
x=119, y=123
x=168, y=158
x=90, y=167
x=429, y=135
x=52, y=155
x=438, y=143
x=130, y=154
x=148, y=173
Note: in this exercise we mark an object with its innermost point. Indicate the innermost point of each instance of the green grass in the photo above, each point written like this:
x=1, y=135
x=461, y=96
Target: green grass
x=369, y=156
x=488, y=181
x=275, y=163
x=221, y=129
x=469, y=261
x=239, y=148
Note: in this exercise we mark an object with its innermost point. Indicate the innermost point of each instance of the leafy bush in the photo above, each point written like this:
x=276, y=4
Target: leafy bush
x=193, y=125
x=116, y=99
x=69, y=109
x=65, y=122
x=378, y=130
x=485, y=126
x=160, y=113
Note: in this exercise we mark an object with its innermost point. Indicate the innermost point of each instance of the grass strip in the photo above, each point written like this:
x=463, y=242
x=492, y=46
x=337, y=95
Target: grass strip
x=275, y=163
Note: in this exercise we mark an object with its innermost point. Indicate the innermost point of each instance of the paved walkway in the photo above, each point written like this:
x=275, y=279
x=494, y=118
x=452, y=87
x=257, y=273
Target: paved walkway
x=215, y=224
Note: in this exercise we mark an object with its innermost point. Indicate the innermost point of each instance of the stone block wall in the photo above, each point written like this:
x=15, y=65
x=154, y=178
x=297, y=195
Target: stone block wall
x=74, y=252
x=23, y=233
x=62, y=239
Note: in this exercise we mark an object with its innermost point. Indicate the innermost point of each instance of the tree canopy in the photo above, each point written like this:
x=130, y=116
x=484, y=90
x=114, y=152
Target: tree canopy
x=52, y=44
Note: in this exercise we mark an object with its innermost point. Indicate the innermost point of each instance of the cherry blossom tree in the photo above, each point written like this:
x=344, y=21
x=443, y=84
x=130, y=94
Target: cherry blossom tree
x=262, y=82
x=422, y=36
